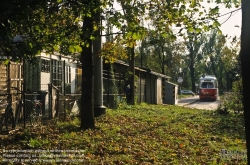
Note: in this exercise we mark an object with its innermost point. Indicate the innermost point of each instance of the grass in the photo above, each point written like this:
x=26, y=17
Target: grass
x=141, y=134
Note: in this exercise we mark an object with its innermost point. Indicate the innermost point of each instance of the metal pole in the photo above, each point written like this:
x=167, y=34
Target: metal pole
x=99, y=109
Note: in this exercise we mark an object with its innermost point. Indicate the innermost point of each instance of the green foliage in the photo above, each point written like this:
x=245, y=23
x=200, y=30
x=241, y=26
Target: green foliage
x=162, y=54
x=114, y=50
x=128, y=76
x=114, y=102
x=56, y=25
x=26, y=134
x=122, y=103
x=73, y=125
x=238, y=87
x=38, y=143
x=233, y=101
x=51, y=26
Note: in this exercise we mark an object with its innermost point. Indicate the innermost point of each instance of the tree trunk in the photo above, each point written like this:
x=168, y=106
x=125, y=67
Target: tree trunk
x=192, y=77
x=191, y=67
x=132, y=77
x=228, y=86
x=220, y=78
x=87, y=100
x=245, y=65
x=213, y=66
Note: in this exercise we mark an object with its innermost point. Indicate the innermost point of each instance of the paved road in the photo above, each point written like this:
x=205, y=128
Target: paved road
x=188, y=100
x=194, y=102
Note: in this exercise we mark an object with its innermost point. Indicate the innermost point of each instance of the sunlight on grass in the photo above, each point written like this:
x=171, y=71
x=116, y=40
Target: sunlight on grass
x=151, y=134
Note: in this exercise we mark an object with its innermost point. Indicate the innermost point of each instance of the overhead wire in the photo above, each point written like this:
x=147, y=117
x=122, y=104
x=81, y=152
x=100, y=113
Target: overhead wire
x=226, y=19
x=217, y=16
x=231, y=14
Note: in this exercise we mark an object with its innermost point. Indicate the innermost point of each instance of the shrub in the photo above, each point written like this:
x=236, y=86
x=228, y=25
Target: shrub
x=232, y=101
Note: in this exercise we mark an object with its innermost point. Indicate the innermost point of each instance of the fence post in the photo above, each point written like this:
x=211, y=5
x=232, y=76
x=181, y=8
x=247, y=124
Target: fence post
x=57, y=103
x=63, y=76
x=23, y=91
x=108, y=85
x=140, y=87
x=8, y=77
x=120, y=87
x=24, y=110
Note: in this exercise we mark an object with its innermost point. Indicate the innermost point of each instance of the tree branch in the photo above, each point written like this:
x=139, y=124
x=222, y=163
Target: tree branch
x=112, y=34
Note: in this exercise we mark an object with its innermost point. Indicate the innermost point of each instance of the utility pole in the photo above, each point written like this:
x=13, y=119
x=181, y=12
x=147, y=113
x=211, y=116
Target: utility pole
x=99, y=109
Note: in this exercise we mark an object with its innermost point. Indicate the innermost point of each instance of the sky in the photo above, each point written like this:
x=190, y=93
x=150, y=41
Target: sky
x=232, y=26
x=230, y=21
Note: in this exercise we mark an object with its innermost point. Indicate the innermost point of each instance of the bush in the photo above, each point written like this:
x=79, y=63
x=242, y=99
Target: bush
x=232, y=101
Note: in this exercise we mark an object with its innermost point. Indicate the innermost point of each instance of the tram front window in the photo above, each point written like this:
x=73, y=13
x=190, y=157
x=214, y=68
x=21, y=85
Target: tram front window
x=207, y=85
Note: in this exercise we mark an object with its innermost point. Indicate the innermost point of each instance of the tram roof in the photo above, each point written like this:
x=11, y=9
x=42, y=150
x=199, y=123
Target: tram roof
x=209, y=76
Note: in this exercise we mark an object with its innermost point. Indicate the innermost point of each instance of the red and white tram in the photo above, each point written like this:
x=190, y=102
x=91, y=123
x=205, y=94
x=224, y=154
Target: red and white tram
x=208, y=88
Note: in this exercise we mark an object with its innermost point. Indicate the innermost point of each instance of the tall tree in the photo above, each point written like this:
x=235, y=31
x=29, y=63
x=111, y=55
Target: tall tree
x=166, y=53
x=245, y=65
x=212, y=53
x=194, y=44
x=132, y=11
x=87, y=99
x=231, y=63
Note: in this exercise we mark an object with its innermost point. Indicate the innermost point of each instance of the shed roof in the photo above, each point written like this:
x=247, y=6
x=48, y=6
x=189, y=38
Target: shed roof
x=125, y=64
x=172, y=83
x=160, y=75
x=144, y=70
x=156, y=73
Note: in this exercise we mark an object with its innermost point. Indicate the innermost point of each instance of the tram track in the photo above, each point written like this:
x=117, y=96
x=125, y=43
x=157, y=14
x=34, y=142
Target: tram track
x=193, y=102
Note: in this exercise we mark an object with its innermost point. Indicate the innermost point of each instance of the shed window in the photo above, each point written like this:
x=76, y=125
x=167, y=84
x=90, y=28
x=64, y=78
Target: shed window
x=45, y=65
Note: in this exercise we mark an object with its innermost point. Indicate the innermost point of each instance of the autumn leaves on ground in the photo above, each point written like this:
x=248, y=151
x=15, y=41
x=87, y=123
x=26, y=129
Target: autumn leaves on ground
x=142, y=134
